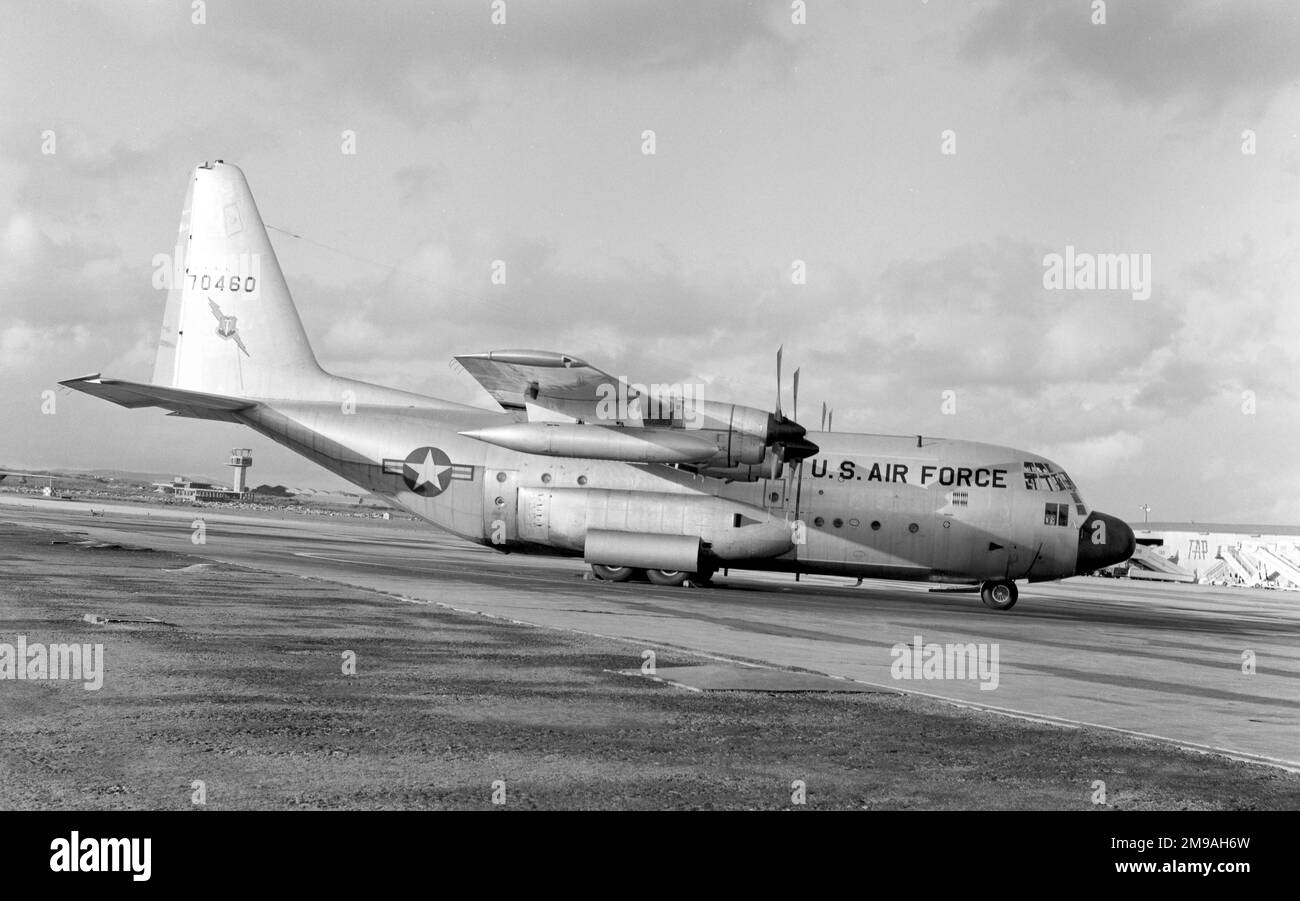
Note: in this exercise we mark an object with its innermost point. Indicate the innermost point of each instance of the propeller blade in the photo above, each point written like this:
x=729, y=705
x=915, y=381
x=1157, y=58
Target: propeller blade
x=830, y=422
x=794, y=404
x=778, y=380
x=823, y=428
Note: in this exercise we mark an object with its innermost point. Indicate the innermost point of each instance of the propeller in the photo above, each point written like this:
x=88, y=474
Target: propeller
x=828, y=418
x=781, y=429
x=784, y=435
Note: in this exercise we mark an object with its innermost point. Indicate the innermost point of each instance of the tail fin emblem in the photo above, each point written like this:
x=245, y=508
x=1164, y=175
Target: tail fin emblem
x=226, y=327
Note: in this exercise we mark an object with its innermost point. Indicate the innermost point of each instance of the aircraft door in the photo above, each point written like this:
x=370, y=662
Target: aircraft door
x=999, y=555
x=1013, y=560
x=955, y=535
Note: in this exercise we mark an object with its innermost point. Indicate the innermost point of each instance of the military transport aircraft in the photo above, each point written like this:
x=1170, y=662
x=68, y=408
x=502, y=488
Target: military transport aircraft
x=576, y=462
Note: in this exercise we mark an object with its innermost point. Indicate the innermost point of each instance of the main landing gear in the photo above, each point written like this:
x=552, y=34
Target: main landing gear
x=670, y=578
x=1000, y=595
x=612, y=573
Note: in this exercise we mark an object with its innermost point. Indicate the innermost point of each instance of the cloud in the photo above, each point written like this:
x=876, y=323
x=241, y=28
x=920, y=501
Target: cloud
x=414, y=183
x=23, y=345
x=978, y=316
x=1098, y=456
x=1198, y=54
x=435, y=60
x=22, y=241
x=49, y=283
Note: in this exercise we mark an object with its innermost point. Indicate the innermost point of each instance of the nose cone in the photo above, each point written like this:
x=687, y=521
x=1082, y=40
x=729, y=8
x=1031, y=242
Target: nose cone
x=781, y=428
x=1103, y=541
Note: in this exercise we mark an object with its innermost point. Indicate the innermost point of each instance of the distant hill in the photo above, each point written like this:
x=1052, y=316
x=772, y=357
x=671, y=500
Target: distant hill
x=131, y=477
x=126, y=475
x=121, y=475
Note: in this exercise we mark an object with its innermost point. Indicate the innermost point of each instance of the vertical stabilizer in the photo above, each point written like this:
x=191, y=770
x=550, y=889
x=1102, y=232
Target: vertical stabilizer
x=230, y=326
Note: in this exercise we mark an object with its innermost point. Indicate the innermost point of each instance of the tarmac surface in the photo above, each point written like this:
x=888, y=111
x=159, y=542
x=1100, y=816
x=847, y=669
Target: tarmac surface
x=1211, y=669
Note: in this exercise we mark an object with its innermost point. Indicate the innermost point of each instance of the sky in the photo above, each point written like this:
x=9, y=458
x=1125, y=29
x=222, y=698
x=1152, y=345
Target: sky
x=919, y=162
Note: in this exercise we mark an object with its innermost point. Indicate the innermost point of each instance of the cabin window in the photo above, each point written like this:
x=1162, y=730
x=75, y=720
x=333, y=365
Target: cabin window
x=1056, y=515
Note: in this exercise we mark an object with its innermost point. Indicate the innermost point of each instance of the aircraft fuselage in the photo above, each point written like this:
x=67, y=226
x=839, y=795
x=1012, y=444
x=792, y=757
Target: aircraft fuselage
x=871, y=506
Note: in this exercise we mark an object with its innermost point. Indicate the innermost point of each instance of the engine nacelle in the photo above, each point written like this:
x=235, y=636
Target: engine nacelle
x=737, y=449
x=749, y=433
x=771, y=467
x=698, y=432
x=601, y=442
x=631, y=444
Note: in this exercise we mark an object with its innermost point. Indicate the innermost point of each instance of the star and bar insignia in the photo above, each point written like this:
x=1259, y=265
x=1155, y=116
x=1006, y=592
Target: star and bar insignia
x=427, y=471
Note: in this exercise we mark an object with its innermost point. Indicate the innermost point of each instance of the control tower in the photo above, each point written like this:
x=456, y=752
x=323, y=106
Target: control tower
x=241, y=458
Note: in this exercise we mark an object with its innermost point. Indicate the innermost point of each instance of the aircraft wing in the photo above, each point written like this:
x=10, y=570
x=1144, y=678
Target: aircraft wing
x=193, y=404
x=608, y=419
x=526, y=379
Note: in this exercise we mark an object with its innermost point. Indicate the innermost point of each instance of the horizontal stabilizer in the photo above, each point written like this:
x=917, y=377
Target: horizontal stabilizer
x=193, y=404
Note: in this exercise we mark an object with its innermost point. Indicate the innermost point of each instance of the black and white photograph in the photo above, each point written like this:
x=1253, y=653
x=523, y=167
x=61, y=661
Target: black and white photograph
x=584, y=407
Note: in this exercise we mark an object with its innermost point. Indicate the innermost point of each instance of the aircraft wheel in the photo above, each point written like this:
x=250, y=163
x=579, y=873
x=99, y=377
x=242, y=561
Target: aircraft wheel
x=668, y=577
x=1000, y=595
x=611, y=573
x=703, y=577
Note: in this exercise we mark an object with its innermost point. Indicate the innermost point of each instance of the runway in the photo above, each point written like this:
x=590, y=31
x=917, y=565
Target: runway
x=1155, y=660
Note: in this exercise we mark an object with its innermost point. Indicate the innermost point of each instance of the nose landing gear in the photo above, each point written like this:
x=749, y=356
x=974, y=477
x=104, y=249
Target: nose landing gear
x=999, y=595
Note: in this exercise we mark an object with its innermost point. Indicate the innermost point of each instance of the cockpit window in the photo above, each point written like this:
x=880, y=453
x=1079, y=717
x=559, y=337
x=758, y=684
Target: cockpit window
x=1041, y=476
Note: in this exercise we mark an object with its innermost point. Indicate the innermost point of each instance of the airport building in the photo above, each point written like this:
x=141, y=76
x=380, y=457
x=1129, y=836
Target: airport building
x=181, y=488
x=1253, y=556
x=241, y=458
x=186, y=490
